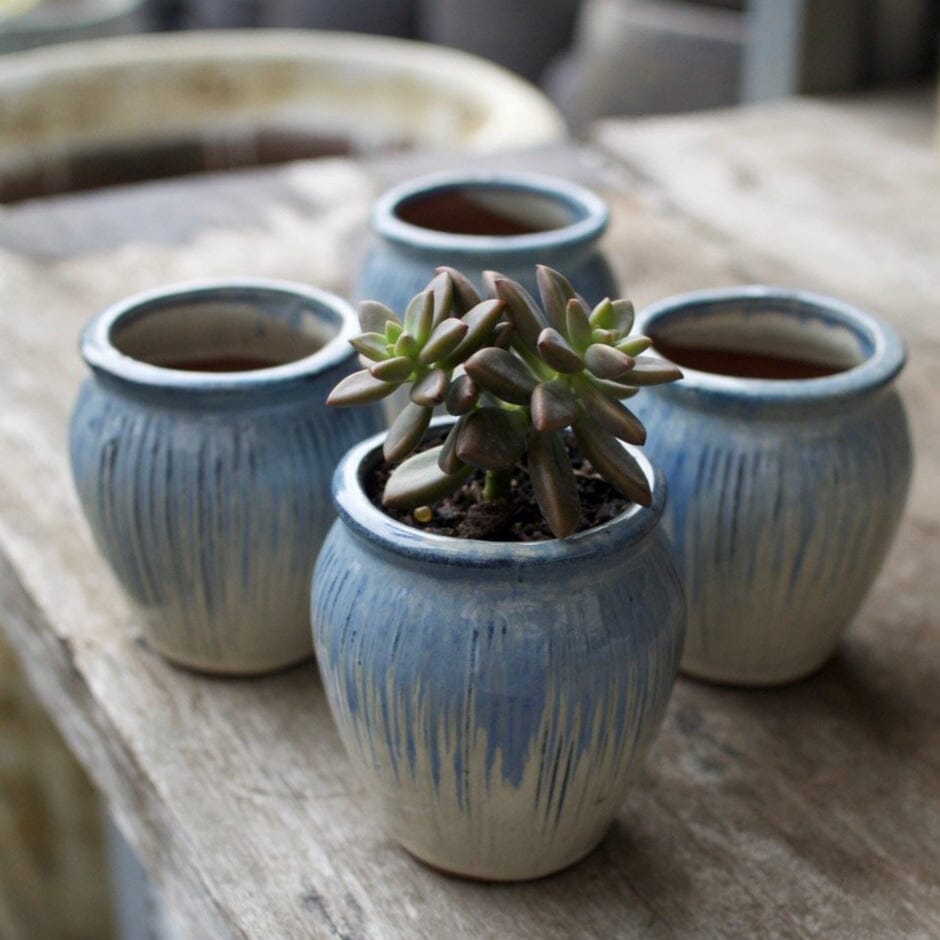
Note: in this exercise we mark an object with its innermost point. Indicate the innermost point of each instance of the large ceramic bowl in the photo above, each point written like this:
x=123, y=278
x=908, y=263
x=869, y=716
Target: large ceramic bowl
x=117, y=110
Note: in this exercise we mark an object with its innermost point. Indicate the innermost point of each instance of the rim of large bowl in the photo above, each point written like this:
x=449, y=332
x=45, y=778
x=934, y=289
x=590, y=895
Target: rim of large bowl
x=357, y=511
x=591, y=214
x=100, y=353
x=877, y=369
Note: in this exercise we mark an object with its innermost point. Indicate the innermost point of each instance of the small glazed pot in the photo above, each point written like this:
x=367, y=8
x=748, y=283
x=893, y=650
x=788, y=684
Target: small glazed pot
x=785, y=493
x=478, y=221
x=202, y=453
x=496, y=697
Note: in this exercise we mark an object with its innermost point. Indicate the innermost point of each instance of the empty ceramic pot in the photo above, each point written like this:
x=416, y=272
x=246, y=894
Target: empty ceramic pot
x=475, y=221
x=788, y=458
x=202, y=453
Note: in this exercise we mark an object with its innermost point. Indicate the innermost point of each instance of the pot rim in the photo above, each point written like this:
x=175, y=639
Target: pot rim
x=881, y=366
x=100, y=353
x=357, y=512
x=591, y=214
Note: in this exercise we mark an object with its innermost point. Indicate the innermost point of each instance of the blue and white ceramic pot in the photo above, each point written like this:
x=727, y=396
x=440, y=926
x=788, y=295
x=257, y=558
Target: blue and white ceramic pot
x=785, y=493
x=202, y=453
x=496, y=697
x=478, y=221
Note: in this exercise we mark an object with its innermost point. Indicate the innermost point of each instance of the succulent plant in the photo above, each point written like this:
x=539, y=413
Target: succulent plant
x=515, y=373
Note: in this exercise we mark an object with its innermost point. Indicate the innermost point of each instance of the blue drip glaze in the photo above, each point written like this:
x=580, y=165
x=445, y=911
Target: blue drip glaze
x=208, y=494
x=471, y=679
x=784, y=495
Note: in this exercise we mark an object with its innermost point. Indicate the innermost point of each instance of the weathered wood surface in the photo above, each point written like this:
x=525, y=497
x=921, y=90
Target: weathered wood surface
x=812, y=811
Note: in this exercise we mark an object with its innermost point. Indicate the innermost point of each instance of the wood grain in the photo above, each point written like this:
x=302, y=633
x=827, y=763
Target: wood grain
x=811, y=811
x=809, y=186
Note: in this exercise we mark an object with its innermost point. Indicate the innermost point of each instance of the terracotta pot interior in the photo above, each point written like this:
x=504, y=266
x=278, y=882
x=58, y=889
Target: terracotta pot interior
x=223, y=335
x=485, y=210
x=779, y=342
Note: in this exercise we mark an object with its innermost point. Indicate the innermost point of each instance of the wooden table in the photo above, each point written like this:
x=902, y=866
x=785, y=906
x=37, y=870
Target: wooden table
x=810, y=811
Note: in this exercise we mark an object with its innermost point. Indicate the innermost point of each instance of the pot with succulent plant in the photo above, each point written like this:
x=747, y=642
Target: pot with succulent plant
x=496, y=675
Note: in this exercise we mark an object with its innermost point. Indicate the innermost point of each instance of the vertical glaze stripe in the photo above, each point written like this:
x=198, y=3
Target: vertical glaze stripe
x=779, y=525
x=212, y=521
x=499, y=714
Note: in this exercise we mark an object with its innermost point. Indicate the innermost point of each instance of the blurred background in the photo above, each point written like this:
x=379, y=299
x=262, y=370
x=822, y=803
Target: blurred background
x=74, y=117
x=592, y=56
x=64, y=870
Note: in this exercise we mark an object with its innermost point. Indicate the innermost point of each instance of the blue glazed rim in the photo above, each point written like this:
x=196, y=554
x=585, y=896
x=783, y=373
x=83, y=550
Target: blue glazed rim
x=882, y=347
x=379, y=530
x=100, y=353
x=589, y=212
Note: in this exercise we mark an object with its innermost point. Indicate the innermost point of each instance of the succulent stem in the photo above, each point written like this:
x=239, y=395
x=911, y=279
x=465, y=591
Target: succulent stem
x=496, y=483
